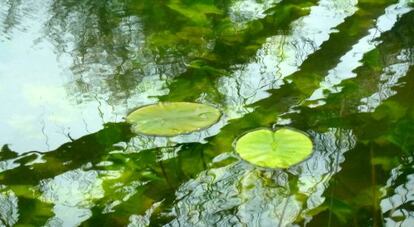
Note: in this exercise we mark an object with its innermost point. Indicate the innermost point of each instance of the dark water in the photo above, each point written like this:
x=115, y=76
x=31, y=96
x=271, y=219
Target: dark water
x=70, y=71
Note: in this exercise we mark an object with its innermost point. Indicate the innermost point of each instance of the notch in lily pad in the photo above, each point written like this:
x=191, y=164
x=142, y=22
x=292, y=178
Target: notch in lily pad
x=274, y=149
x=172, y=118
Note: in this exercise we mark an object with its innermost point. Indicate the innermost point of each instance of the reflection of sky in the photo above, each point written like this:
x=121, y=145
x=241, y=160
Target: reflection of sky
x=143, y=220
x=50, y=97
x=248, y=10
x=397, y=205
x=389, y=79
x=72, y=193
x=351, y=60
x=36, y=112
x=282, y=55
x=8, y=208
x=40, y=80
x=239, y=193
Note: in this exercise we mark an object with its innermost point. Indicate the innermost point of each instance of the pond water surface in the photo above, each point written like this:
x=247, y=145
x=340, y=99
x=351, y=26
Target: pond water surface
x=340, y=70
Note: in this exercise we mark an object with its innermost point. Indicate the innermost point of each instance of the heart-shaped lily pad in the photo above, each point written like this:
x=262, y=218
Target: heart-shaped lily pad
x=172, y=118
x=280, y=149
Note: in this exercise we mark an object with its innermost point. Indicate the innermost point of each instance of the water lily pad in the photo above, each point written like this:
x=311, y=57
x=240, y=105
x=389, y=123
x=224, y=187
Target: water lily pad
x=280, y=149
x=173, y=118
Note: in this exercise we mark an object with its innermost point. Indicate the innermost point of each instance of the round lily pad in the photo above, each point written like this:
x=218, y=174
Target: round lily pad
x=275, y=149
x=172, y=118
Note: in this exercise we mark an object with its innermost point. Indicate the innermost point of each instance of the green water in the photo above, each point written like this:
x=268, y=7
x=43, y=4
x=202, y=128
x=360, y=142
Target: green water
x=71, y=70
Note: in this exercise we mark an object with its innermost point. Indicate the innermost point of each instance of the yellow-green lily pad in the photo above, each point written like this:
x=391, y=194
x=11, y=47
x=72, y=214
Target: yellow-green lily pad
x=274, y=149
x=172, y=118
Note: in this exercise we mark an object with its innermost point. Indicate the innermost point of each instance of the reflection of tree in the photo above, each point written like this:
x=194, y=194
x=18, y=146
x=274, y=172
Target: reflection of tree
x=398, y=205
x=389, y=120
x=242, y=194
x=327, y=117
x=384, y=136
x=228, y=191
x=10, y=11
x=234, y=49
x=284, y=56
x=301, y=83
x=72, y=155
x=105, y=40
x=115, y=44
x=146, y=182
x=30, y=175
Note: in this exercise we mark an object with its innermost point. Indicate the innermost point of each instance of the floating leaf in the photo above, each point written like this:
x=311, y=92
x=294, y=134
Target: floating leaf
x=280, y=149
x=171, y=119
